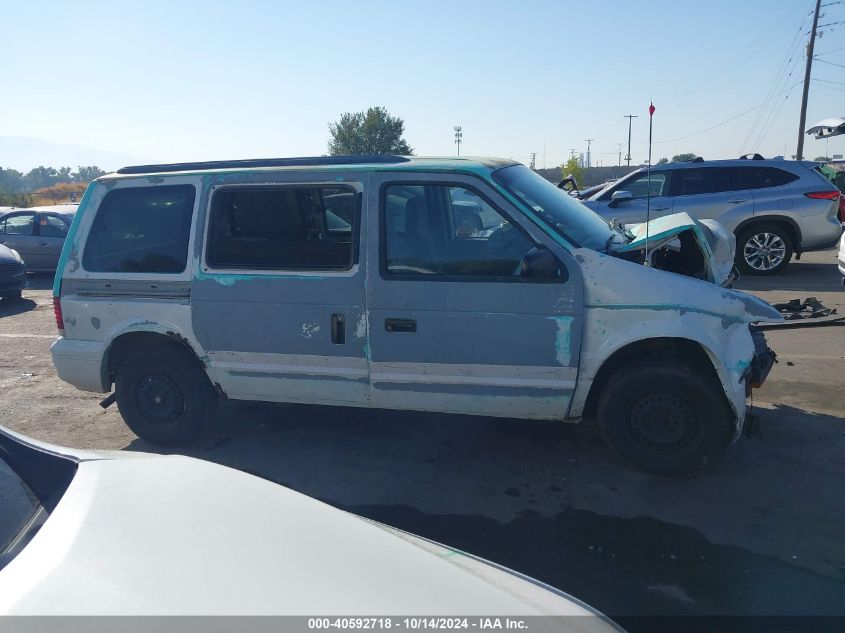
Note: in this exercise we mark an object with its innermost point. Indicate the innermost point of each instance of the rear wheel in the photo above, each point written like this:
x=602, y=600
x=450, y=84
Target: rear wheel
x=163, y=395
x=763, y=249
x=664, y=418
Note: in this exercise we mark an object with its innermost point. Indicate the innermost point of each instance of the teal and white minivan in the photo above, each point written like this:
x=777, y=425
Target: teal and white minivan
x=457, y=285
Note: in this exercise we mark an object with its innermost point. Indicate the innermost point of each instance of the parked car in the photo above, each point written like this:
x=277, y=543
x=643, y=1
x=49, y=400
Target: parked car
x=37, y=233
x=12, y=273
x=776, y=208
x=110, y=533
x=181, y=283
x=842, y=257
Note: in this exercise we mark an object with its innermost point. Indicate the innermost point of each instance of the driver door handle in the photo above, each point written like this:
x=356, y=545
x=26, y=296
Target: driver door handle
x=738, y=200
x=660, y=208
x=400, y=325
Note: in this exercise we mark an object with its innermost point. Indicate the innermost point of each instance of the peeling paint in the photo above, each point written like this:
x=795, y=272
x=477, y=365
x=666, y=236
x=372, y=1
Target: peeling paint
x=310, y=330
x=563, y=340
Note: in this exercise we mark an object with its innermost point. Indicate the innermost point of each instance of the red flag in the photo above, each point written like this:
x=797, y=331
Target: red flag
x=651, y=110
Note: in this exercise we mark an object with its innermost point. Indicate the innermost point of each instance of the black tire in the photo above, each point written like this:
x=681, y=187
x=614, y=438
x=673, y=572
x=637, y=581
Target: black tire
x=751, y=240
x=15, y=295
x=665, y=419
x=163, y=395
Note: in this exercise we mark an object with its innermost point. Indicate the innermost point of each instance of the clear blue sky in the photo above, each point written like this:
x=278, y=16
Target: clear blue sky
x=181, y=80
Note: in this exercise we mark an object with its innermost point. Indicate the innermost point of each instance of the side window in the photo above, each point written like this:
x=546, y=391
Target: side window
x=21, y=224
x=51, y=226
x=639, y=185
x=141, y=230
x=764, y=177
x=441, y=230
x=291, y=227
x=691, y=182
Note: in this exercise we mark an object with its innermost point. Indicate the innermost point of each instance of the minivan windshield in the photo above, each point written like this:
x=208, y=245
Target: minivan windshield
x=561, y=212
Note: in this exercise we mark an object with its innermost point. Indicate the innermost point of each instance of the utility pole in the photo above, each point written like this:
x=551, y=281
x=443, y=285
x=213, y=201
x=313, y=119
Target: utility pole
x=589, y=140
x=619, y=164
x=533, y=163
x=571, y=153
x=630, y=118
x=799, y=155
x=459, y=135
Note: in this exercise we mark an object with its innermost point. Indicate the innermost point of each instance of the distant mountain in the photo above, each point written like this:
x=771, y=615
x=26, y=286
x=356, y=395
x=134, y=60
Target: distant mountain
x=24, y=153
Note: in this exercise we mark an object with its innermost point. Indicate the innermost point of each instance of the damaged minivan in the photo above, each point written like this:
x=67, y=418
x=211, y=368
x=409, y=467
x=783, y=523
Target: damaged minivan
x=469, y=286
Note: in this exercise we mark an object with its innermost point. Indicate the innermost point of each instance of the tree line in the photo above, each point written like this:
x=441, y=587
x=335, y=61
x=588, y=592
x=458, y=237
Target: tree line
x=13, y=181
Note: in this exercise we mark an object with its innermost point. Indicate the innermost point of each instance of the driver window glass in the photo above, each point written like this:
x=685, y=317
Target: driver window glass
x=437, y=230
x=20, y=224
x=639, y=186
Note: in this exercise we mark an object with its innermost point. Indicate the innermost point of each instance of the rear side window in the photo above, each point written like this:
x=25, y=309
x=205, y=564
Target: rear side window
x=277, y=228
x=51, y=226
x=141, y=230
x=701, y=180
x=763, y=177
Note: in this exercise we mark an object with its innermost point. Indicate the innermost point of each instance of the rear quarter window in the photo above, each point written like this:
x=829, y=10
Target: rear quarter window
x=141, y=230
x=763, y=177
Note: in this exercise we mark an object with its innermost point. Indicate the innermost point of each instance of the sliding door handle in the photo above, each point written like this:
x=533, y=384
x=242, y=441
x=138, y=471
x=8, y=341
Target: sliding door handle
x=338, y=329
x=400, y=325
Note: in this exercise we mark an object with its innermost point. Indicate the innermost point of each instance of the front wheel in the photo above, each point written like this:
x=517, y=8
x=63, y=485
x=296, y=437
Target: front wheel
x=763, y=249
x=665, y=419
x=163, y=395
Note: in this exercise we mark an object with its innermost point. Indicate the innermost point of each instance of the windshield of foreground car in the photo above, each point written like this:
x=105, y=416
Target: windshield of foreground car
x=18, y=505
x=562, y=212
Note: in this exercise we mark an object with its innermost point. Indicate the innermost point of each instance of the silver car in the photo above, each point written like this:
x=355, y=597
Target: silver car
x=776, y=208
x=37, y=233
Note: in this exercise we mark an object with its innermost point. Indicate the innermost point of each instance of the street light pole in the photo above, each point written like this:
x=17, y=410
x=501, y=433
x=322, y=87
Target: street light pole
x=630, y=118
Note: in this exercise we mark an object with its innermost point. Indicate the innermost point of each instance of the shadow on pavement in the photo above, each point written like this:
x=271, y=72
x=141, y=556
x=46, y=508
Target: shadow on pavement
x=11, y=307
x=804, y=279
x=755, y=535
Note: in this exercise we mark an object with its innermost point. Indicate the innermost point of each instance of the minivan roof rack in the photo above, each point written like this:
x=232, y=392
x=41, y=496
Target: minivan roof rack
x=753, y=156
x=303, y=161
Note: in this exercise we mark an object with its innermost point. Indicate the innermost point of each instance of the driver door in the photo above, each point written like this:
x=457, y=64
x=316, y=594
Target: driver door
x=453, y=326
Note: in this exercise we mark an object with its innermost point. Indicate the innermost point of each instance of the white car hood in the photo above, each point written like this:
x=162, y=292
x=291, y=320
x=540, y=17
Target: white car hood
x=173, y=535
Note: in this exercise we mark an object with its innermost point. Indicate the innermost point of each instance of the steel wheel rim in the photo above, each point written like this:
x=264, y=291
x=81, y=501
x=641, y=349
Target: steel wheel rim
x=663, y=421
x=159, y=399
x=764, y=251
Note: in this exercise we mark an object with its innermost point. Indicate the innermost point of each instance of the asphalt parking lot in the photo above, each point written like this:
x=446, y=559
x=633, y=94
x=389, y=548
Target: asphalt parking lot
x=761, y=533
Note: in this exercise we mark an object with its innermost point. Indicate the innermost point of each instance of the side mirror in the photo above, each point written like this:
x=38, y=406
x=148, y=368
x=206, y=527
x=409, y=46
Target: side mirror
x=539, y=263
x=619, y=197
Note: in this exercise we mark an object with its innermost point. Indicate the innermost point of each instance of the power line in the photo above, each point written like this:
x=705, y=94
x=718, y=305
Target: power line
x=777, y=80
x=824, y=61
x=828, y=81
x=725, y=122
x=835, y=50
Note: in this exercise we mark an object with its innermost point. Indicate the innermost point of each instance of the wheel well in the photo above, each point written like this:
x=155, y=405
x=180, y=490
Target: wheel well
x=672, y=350
x=125, y=345
x=790, y=226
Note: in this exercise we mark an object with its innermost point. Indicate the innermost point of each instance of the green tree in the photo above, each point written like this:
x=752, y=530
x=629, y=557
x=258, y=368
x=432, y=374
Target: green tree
x=572, y=168
x=822, y=159
x=663, y=161
x=682, y=158
x=368, y=134
x=87, y=174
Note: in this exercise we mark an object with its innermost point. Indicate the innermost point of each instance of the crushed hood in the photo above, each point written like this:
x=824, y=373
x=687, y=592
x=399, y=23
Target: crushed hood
x=717, y=244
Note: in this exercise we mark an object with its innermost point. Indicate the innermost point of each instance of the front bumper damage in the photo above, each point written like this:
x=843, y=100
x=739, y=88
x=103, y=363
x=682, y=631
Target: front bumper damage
x=761, y=363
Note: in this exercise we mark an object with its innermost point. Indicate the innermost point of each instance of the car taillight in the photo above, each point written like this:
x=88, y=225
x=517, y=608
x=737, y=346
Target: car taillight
x=842, y=209
x=57, y=310
x=823, y=195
